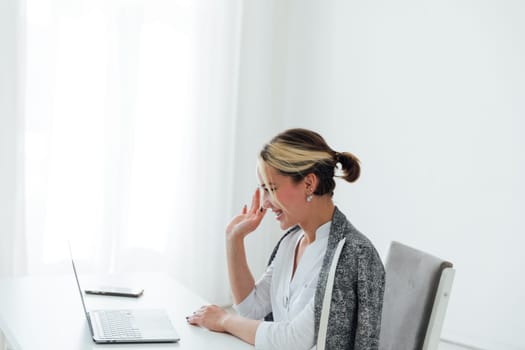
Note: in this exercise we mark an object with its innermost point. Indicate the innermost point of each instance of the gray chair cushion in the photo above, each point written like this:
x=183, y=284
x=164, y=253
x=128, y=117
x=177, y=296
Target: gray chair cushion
x=412, y=279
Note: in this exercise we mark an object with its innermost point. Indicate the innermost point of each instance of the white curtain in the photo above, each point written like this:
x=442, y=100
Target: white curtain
x=11, y=190
x=127, y=137
x=11, y=139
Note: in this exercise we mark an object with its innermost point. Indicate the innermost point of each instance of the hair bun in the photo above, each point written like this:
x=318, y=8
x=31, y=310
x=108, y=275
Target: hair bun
x=350, y=164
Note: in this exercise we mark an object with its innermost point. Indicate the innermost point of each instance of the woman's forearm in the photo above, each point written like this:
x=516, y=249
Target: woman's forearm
x=241, y=278
x=241, y=327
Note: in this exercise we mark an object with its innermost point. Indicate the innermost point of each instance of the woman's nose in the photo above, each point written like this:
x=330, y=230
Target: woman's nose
x=266, y=200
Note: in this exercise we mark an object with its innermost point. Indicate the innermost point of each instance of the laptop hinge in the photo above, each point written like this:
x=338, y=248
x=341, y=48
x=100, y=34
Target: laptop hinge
x=90, y=323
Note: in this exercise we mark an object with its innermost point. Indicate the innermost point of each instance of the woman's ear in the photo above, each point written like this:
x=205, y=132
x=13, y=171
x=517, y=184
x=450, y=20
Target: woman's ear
x=311, y=180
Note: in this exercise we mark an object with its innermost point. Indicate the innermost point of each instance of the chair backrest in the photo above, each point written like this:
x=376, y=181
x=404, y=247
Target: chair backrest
x=417, y=289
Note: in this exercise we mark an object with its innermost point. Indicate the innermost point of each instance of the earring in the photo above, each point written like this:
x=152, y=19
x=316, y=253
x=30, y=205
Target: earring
x=309, y=198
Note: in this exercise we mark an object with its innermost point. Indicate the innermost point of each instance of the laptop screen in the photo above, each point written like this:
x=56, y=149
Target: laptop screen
x=80, y=289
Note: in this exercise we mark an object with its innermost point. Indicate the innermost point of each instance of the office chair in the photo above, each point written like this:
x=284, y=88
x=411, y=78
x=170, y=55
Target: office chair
x=417, y=289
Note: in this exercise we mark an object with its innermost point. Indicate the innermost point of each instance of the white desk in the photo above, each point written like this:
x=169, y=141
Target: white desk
x=46, y=313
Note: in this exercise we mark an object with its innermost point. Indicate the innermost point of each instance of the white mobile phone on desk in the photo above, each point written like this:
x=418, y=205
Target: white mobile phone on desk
x=116, y=291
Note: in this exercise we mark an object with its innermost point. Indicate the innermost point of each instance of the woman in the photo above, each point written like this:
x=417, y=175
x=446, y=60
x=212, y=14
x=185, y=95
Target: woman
x=296, y=173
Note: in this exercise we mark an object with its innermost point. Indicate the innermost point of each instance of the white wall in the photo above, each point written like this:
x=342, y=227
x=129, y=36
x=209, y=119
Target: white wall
x=11, y=141
x=430, y=95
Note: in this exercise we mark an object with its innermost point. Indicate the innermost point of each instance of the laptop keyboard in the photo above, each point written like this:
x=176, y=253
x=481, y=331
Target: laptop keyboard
x=118, y=324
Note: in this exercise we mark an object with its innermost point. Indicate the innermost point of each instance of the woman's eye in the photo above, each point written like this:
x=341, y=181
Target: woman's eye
x=268, y=190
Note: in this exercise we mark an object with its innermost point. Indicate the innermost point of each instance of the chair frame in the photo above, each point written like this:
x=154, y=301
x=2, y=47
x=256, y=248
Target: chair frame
x=439, y=309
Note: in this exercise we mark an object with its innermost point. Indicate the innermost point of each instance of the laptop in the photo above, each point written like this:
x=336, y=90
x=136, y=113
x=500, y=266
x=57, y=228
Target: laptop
x=128, y=326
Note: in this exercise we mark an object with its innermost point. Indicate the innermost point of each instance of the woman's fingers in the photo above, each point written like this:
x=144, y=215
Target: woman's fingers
x=192, y=319
x=196, y=316
x=255, y=202
x=248, y=220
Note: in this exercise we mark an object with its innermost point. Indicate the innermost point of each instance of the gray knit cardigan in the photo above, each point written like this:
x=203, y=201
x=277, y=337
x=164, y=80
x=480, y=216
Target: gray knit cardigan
x=357, y=299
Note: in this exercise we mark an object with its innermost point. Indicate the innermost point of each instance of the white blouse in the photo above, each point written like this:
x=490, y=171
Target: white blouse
x=290, y=299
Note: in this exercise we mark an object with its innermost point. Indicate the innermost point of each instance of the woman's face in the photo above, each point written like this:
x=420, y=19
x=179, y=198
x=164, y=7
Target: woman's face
x=288, y=201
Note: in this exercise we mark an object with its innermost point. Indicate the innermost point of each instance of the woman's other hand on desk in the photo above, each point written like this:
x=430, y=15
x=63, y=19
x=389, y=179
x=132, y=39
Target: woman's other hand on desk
x=211, y=317
x=246, y=222
x=217, y=319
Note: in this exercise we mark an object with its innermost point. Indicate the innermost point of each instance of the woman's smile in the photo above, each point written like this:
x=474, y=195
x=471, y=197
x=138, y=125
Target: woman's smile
x=278, y=214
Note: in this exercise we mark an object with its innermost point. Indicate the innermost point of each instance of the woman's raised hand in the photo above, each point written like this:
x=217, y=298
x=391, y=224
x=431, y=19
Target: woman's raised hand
x=248, y=220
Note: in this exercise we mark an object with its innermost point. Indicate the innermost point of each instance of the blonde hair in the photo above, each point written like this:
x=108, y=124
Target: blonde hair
x=299, y=152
